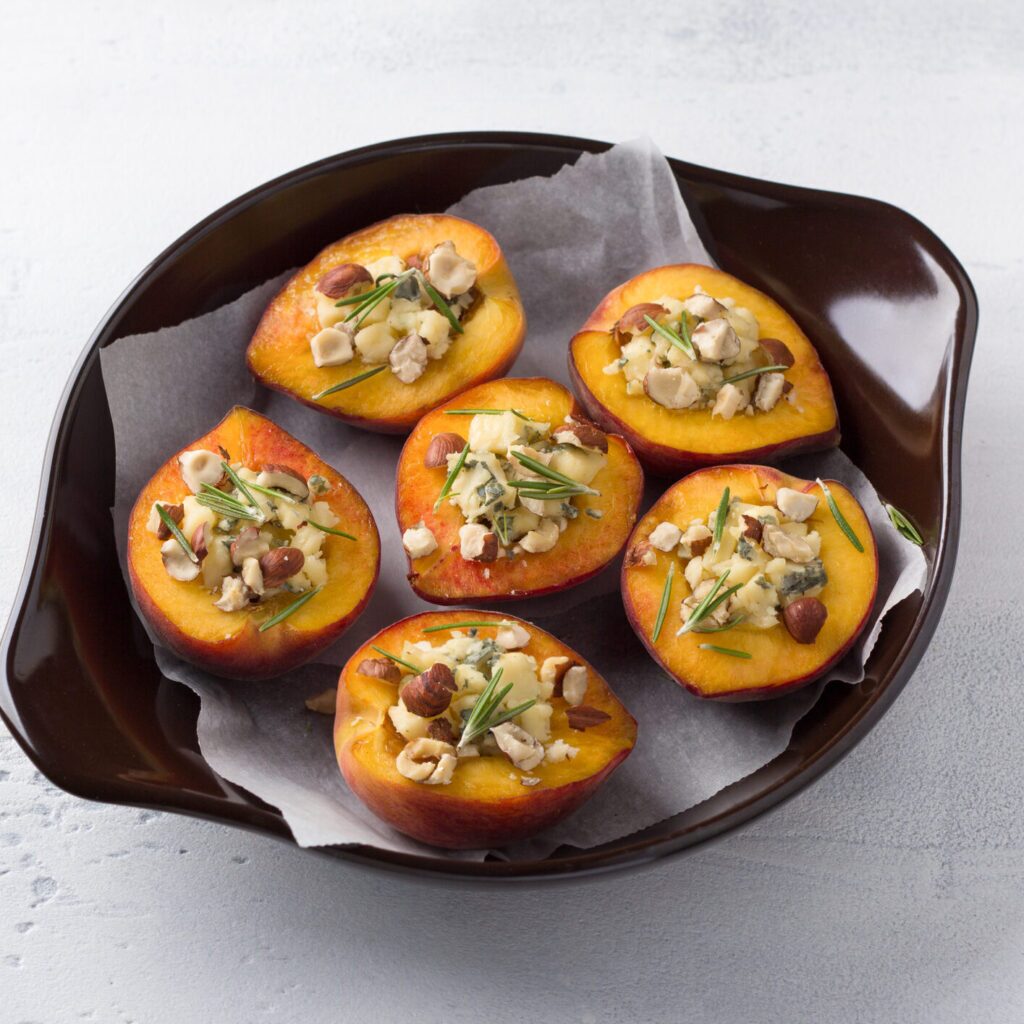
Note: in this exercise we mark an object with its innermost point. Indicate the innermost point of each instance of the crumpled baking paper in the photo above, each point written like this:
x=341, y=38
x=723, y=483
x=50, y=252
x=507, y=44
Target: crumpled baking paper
x=569, y=239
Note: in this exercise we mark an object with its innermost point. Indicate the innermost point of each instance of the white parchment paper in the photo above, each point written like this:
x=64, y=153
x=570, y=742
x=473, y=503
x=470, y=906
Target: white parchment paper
x=569, y=239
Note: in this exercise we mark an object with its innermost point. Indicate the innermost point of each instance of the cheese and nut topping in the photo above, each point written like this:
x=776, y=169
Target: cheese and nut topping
x=392, y=312
x=701, y=353
x=245, y=534
x=515, y=481
x=746, y=563
x=475, y=696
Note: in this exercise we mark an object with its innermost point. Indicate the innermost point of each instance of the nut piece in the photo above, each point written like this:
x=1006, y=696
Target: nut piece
x=730, y=401
x=641, y=553
x=512, y=636
x=695, y=541
x=200, y=467
x=553, y=670
x=380, y=668
x=671, y=387
x=795, y=505
x=449, y=272
x=156, y=525
x=419, y=541
x=574, y=685
x=178, y=565
x=429, y=693
x=234, y=595
x=768, y=391
x=408, y=358
x=323, y=703
x=340, y=280
x=780, y=544
x=248, y=544
x=753, y=529
x=804, y=619
x=440, y=447
x=518, y=745
x=333, y=345
x=778, y=352
x=477, y=543
x=665, y=536
x=716, y=340
x=703, y=307
x=200, y=541
x=284, y=478
x=280, y=564
x=585, y=717
x=252, y=576
x=441, y=729
x=632, y=321
x=428, y=761
x=581, y=433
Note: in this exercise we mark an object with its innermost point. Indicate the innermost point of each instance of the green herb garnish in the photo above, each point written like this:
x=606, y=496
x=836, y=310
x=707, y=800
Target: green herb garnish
x=452, y=474
x=465, y=625
x=485, y=715
x=238, y=482
x=731, y=624
x=839, y=517
x=712, y=600
x=443, y=307
x=904, y=526
x=271, y=493
x=486, y=412
x=753, y=373
x=226, y=505
x=351, y=382
x=395, y=658
x=375, y=298
x=725, y=650
x=331, y=530
x=176, y=533
x=720, y=517
x=682, y=343
x=665, y=597
x=552, y=475
x=293, y=607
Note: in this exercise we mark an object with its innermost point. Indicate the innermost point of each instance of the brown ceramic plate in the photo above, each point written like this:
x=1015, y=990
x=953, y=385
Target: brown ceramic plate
x=885, y=302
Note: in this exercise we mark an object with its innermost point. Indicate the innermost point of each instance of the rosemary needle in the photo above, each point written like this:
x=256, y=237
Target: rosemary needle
x=682, y=343
x=395, y=658
x=725, y=650
x=839, y=517
x=453, y=473
x=351, y=382
x=290, y=609
x=904, y=526
x=176, y=533
x=666, y=595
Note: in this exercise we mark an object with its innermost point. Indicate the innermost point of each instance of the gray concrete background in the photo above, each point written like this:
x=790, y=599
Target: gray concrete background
x=891, y=891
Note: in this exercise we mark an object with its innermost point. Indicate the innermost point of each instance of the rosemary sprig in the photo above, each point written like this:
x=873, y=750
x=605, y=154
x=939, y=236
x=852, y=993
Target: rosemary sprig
x=271, y=493
x=452, y=474
x=839, y=517
x=485, y=716
x=395, y=658
x=904, y=526
x=501, y=528
x=720, y=517
x=665, y=597
x=290, y=609
x=712, y=600
x=486, y=412
x=464, y=625
x=725, y=650
x=226, y=505
x=546, y=490
x=551, y=474
x=376, y=297
x=176, y=533
x=331, y=530
x=731, y=624
x=351, y=300
x=442, y=306
x=753, y=373
x=682, y=343
x=351, y=382
x=238, y=482
x=684, y=329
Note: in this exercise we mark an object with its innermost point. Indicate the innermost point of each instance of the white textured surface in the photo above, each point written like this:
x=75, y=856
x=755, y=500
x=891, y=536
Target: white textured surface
x=891, y=891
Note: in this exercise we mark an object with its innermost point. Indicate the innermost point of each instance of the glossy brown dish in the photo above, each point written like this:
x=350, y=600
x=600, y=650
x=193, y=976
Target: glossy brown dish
x=866, y=281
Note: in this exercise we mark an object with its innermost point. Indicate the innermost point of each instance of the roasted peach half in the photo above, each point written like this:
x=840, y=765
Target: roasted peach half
x=763, y=605
x=251, y=572
x=441, y=312
x=694, y=388
x=414, y=738
x=542, y=501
